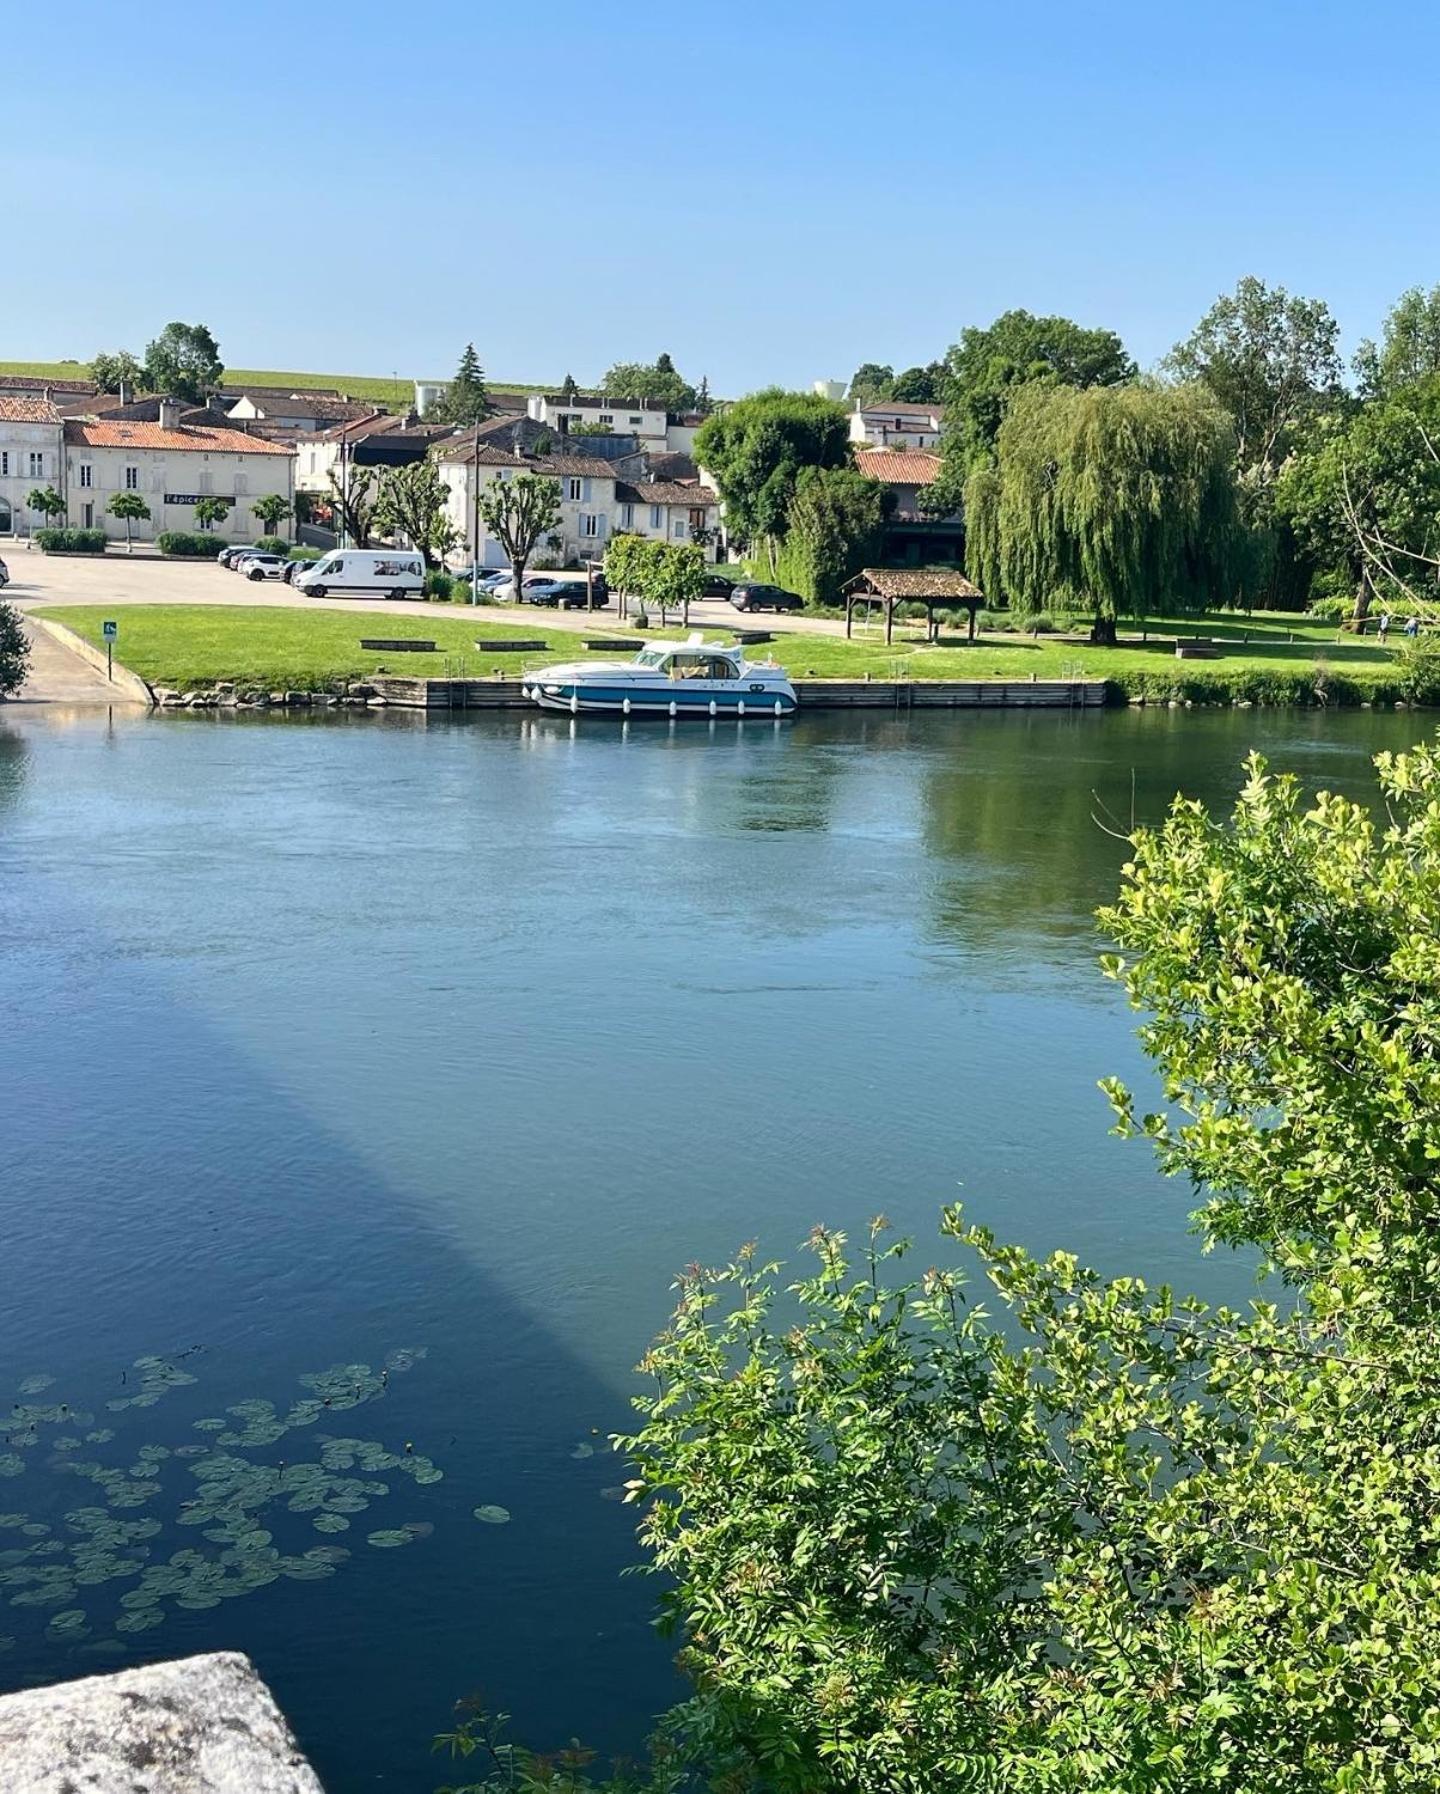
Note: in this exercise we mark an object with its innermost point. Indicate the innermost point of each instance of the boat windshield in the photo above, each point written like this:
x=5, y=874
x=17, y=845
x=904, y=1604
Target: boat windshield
x=651, y=657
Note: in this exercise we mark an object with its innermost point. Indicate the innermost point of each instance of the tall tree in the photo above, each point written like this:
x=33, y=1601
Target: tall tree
x=870, y=383
x=1409, y=348
x=131, y=508
x=657, y=381
x=354, y=499
x=518, y=512
x=568, y=388
x=756, y=448
x=836, y=523
x=1118, y=499
x=112, y=371
x=466, y=399
x=184, y=362
x=1271, y=360
x=412, y=502
x=919, y=385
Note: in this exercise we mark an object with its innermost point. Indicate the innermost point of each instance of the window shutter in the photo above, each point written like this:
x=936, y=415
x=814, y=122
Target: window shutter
x=585, y=491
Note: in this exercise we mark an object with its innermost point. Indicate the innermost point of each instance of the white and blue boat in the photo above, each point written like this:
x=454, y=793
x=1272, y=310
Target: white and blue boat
x=693, y=678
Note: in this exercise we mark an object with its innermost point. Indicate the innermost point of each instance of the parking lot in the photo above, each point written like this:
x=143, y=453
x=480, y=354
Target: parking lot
x=146, y=578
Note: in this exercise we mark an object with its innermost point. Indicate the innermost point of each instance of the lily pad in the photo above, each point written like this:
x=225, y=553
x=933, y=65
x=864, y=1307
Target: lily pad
x=387, y=1541
x=582, y=1450
x=330, y=1523
x=141, y=1620
x=34, y=1385
x=493, y=1515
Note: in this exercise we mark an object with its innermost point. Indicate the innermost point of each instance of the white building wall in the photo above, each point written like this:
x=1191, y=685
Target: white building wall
x=161, y=474
x=894, y=429
x=19, y=444
x=596, y=501
x=647, y=424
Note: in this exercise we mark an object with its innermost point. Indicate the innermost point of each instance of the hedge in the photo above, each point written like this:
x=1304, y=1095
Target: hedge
x=303, y=553
x=1410, y=680
x=196, y=546
x=71, y=541
x=272, y=545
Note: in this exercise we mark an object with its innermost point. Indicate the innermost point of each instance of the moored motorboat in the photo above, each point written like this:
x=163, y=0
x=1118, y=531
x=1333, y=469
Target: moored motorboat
x=693, y=678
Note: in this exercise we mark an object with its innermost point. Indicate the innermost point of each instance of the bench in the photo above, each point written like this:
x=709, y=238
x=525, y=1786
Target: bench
x=603, y=643
x=512, y=647
x=1199, y=647
x=750, y=638
x=405, y=645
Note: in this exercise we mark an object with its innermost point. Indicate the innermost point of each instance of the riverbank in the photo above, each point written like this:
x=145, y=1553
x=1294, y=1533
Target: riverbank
x=1284, y=661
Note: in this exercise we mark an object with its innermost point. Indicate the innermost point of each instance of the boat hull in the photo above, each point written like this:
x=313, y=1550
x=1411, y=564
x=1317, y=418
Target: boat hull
x=681, y=698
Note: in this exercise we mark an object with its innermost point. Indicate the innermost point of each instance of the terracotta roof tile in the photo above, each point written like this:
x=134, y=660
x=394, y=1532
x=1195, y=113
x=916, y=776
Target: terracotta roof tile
x=901, y=408
x=28, y=411
x=912, y=467
x=105, y=434
x=666, y=492
x=462, y=450
x=911, y=582
x=41, y=383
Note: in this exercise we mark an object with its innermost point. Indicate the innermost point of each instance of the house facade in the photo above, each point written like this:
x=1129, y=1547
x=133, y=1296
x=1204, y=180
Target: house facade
x=664, y=511
x=642, y=418
x=171, y=465
x=587, y=502
x=914, y=536
x=383, y=439
x=897, y=425
x=30, y=456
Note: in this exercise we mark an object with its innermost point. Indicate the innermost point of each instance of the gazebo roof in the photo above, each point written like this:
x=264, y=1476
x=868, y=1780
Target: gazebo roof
x=914, y=584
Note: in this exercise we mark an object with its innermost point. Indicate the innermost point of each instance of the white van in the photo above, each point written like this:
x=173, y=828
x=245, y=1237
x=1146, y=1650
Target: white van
x=394, y=572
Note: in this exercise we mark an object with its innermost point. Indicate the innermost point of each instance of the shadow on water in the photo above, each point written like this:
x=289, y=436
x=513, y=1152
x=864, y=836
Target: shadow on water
x=160, y=1194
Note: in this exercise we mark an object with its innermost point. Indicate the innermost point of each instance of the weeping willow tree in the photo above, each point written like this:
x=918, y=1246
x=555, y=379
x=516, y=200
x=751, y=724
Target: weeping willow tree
x=1117, y=500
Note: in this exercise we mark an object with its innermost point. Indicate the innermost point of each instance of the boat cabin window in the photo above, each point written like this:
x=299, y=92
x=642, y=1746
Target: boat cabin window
x=702, y=666
x=651, y=657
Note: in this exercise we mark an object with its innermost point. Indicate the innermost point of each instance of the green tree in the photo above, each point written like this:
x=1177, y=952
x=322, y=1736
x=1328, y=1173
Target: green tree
x=184, y=362
x=518, y=512
x=1271, y=360
x=871, y=382
x=466, y=399
x=568, y=388
x=271, y=510
x=412, y=501
x=14, y=651
x=1363, y=495
x=756, y=448
x=836, y=525
x=704, y=404
x=657, y=381
x=210, y=511
x=355, y=499
x=673, y=576
x=920, y=385
x=112, y=371
x=1409, y=348
x=45, y=501
x=987, y=365
x=1117, y=500
x=131, y=508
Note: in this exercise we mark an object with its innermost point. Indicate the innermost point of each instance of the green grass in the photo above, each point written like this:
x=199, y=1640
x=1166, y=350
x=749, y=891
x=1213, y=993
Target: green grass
x=186, y=646
x=383, y=391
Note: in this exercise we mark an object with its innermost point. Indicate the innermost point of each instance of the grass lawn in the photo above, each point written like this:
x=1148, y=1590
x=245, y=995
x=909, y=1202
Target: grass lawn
x=381, y=390
x=186, y=646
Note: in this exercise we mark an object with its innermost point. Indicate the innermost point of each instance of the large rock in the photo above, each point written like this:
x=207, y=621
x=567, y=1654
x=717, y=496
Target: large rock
x=201, y=1725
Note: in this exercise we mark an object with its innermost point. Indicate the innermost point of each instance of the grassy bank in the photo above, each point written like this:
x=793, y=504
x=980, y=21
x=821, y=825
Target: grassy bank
x=186, y=646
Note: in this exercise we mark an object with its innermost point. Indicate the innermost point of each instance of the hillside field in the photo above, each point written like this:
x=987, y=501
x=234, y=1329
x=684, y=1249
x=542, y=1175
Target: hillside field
x=358, y=386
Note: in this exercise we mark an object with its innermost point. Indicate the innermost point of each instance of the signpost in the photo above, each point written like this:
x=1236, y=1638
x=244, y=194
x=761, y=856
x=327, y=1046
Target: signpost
x=110, y=629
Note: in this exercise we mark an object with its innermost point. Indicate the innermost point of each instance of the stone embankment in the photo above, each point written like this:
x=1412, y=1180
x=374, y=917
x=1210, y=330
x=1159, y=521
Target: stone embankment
x=354, y=694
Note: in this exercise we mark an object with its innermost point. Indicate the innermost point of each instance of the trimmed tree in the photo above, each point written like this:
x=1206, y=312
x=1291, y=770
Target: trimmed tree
x=131, y=509
x=518, y=512
x=45, y=501
x=210, y=511
x=271, y=509
x=355, y=501
x=412, y=503
x=1119, y=500
x=14, y=651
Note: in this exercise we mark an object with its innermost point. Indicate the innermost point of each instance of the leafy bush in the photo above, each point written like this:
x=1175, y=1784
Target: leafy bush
x=71, y=541
x=438, y=585
x=194, y=545
x=305, y=554
x=272, y=545
x=14, y=650
x=1331, y=610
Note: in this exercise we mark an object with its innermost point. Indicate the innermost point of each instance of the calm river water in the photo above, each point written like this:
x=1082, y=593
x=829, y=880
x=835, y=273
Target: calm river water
x=413, y=1058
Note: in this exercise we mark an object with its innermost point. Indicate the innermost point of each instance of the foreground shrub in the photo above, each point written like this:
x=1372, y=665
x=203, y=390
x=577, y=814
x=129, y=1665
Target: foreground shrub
x=272, y=545
x=14, y=650
x=193, y=545
x=438, y=584
x=70, y=541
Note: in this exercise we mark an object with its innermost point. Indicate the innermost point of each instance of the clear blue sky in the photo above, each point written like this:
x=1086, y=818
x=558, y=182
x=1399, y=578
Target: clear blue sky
x=771, y=191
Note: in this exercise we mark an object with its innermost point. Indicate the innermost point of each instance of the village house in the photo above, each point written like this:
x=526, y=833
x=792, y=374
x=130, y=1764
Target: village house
x=669, y=511
x=381, y=439
x=644, y=419
x=30, y=456
x=587, y=502
x=895, y=424
x=171, y=465
x=269, y=411
x=913, y=535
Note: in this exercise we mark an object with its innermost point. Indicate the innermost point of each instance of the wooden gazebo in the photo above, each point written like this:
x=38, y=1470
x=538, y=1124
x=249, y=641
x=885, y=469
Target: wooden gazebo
x=930, y=586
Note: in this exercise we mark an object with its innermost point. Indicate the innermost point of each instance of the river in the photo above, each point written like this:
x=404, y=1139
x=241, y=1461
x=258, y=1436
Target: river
x=414, y=1057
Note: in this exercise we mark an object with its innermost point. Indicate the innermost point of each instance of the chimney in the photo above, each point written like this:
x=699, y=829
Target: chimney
x=169, y=414
x=124, y=393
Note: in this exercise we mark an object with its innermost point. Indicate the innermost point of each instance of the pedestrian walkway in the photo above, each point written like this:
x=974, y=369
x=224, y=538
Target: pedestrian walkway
x=59, y=676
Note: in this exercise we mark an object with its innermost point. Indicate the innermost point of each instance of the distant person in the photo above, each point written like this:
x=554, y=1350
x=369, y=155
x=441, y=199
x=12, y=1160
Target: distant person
x=1412, y=627
x=1384, y=626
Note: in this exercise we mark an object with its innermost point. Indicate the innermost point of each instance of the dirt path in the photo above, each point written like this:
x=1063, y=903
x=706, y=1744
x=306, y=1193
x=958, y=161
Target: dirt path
x=59, y=676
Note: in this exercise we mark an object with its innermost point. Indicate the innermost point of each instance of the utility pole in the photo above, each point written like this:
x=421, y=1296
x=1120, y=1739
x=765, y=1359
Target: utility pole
x=475, y=521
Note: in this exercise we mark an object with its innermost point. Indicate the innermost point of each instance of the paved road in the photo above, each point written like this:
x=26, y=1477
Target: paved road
x=59, y=676
x=118, y=579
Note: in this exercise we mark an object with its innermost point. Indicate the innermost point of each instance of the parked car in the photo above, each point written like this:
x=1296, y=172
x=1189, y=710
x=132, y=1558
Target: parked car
x=489, y=579
x=263, y=566
x=717, y=586
x=293, y=570
x=761, y=597
x=552, y=589
x=4, y=576
x=237, y=551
